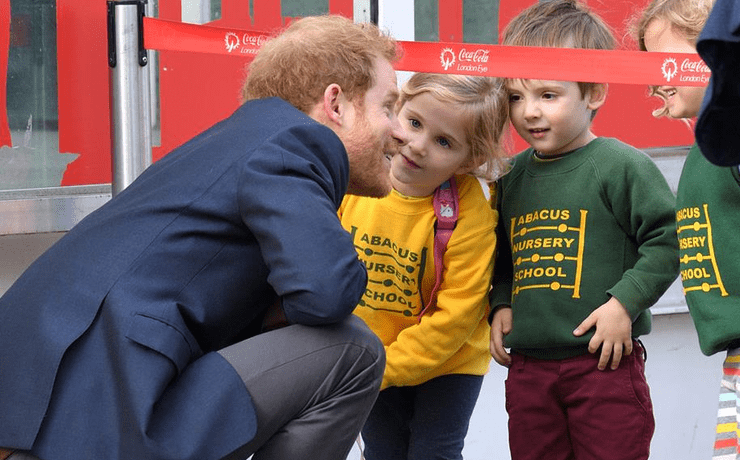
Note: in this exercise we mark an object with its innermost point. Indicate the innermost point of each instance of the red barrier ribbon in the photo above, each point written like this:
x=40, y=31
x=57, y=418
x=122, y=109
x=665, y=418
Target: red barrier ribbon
x=567, y=64
x=163, y=35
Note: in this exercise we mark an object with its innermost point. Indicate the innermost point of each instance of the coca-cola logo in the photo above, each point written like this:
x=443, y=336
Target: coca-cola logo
x=478, y=55
x=254, y=40
x=246, y=44
x=690, y=71
x=694, y=66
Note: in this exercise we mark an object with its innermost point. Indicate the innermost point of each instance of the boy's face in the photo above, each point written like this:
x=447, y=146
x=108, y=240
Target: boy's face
x=437, y=146
x=681, y=101
x=552, y=116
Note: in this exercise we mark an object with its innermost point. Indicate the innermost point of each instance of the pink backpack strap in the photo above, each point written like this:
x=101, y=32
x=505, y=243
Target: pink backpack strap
x=446, y=202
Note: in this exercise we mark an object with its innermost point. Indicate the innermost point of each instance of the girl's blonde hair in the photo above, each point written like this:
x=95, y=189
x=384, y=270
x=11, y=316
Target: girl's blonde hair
x=686, y=17
x=482, y=102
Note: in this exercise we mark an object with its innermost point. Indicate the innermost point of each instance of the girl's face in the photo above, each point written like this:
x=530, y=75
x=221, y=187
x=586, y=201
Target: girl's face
x=437, y=146
x=681, y=101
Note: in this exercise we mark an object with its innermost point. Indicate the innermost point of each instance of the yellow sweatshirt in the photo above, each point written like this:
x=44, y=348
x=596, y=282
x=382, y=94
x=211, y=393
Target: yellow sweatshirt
x=394, y=237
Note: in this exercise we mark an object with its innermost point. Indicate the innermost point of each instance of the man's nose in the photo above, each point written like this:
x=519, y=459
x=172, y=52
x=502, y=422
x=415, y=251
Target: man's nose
x=398, y=133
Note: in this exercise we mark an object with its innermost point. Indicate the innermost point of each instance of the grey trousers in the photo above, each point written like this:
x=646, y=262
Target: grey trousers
x=312, y=387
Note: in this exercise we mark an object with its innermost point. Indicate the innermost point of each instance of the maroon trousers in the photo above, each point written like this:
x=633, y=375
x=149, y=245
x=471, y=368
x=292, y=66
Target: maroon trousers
x=569, y=410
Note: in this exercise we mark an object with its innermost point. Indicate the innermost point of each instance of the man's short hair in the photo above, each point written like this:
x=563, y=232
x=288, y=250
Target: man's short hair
x=314, y=52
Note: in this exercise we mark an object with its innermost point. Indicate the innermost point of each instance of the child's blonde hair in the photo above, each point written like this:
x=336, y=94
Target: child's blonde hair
x=687, y=17
x=560, y=24
x=482, y=102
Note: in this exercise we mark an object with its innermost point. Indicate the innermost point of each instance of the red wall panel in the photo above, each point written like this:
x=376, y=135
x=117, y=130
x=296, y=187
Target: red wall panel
x=84, y=120
x=198, y=89
x=4, y=48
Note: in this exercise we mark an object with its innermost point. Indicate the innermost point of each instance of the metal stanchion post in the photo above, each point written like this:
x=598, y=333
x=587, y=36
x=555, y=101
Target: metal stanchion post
x=131, y=142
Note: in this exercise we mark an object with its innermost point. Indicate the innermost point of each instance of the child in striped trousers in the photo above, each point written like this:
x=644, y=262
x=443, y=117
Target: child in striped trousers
x=707, y=208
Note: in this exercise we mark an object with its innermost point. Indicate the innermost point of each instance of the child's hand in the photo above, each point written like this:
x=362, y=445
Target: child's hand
x=613, y=332
x=500, y=326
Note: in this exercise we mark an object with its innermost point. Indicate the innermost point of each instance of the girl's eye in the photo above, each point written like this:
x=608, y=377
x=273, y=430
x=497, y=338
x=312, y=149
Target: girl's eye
x=443, y=142
x=548, y=96
x=414, y=123
x=514, y=97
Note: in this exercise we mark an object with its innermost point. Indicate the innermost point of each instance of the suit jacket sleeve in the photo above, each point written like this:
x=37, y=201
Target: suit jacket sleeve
x=289, y=193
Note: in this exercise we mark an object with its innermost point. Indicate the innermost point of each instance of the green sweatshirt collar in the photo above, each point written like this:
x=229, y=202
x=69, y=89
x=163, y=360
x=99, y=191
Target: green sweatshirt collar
x=560, y=164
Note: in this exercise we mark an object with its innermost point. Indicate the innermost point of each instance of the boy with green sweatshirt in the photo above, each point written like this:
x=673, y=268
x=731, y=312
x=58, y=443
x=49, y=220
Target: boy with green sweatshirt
x=587, y=245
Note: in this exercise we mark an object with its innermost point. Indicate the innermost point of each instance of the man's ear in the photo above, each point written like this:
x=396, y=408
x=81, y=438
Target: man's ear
x=334, y=104
x=597, y=95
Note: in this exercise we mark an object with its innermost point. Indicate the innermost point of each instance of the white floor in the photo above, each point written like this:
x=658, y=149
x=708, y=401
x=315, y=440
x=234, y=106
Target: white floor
x=684, y=387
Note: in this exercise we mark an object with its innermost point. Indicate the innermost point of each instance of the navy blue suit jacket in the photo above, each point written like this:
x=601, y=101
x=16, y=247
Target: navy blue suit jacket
x=717, y=132
x=107, y=342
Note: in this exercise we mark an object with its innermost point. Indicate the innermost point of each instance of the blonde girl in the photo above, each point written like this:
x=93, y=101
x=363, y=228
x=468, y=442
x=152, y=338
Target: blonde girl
x=436, y=352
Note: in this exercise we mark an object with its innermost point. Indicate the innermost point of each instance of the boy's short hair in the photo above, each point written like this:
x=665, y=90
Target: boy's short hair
x=560, y=24
x=314, y=52
x=484, y=105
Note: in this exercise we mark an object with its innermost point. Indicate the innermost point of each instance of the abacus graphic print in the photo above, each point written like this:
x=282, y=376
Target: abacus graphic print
x=547, y=250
